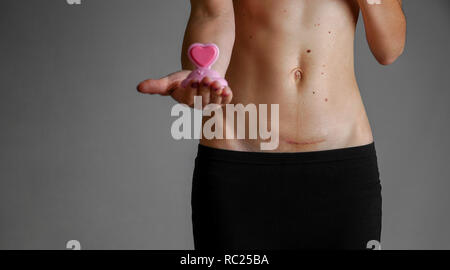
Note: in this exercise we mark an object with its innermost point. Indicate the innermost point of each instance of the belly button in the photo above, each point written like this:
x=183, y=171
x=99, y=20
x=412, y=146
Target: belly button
x=298, y=74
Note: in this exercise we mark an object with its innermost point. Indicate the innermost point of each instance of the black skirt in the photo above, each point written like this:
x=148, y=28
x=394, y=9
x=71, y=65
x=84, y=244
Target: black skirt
x=310, y=200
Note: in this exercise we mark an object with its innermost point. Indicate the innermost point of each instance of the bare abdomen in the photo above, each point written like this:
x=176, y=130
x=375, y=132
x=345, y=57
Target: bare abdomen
x=304, y=63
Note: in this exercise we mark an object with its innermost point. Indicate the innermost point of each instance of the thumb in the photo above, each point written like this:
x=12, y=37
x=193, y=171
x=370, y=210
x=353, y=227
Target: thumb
x=163, y=85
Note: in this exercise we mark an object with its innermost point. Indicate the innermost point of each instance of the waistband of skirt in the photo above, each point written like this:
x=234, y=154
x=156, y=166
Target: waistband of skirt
x=354, y=152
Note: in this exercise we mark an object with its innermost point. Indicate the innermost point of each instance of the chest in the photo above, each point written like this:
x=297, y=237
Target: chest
x=296, y=10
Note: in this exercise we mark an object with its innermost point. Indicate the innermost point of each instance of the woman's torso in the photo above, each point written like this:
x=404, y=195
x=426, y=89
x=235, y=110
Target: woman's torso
x=298, y=54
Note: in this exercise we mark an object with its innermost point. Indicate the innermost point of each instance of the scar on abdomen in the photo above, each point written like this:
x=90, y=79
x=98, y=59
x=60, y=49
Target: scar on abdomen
x=304, y=142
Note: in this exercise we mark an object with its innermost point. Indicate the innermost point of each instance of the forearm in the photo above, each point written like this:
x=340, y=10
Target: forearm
x=204, y=27
x=385, y=26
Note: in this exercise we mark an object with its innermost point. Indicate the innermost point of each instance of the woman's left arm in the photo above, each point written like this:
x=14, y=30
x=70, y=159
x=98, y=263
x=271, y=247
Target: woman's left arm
x=385, y=26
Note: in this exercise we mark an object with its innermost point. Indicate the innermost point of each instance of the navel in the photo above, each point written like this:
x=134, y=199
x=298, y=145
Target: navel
x=298, y=73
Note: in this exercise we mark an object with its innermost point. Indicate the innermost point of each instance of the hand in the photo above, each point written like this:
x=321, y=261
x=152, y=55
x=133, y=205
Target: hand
x=211, y=91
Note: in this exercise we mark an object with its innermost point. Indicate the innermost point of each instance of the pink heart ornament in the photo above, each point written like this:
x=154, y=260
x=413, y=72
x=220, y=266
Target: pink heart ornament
x=203, y=55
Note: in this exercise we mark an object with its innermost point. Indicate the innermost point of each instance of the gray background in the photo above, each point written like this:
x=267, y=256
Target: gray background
x=83, y=156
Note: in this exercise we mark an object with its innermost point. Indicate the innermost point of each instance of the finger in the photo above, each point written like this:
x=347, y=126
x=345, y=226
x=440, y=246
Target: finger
x=204, y=91
x=162, y=86
x=152, y=86
x=216, y=97
x=227, y=95
x=206, y=82
x=190, y=92
x=216, y=87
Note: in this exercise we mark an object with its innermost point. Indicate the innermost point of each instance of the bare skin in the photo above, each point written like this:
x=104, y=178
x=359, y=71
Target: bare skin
x=296, y=53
